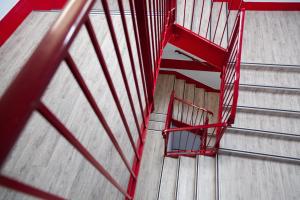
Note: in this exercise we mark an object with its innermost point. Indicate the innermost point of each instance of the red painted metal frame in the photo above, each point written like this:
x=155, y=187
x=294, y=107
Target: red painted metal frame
x=13, y=19
x=37, y=73
x=272, y=6
x=187, y=64
x=205, y=49
x=20, y=11
x=189, y=80
x=228, y=97
x=201, y=130
x=230, y=86
x=263, y=6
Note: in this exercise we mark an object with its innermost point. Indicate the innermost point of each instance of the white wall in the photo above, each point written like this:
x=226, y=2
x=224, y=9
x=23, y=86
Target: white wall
x=6, y=6
x=169, y=53
x=211, y=79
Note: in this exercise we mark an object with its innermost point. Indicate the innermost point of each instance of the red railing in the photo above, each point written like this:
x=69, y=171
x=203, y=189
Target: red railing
x=231, y=77
x=209, y=135
x=186, y=128
x=23, y=96
x=212, y=20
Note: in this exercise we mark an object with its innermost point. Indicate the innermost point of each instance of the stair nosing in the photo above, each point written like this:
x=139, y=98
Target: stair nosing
x=259, y=155
x=265, y=132
x=267, y=110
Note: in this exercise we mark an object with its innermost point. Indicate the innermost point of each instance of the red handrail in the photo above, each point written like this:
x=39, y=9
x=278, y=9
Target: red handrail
x=23, y=96
x=230, y=78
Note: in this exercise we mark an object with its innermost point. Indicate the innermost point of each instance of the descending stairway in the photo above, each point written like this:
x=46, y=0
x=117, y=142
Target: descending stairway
x=268, y=113
x=170, y=178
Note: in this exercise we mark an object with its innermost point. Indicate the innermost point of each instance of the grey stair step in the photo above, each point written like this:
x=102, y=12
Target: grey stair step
x=271, y=76
x=186, y=179
x=206, y=178
x=269, y=111
x=269, y=100
x=274, y=67
x=258, y=155
x=168, y=183
x=156, y=125
x=267, y=121
x=165, y=85
x=151, y=166
x=267, y=88
x=158, y=117
x=263, y=133
x=261, y=143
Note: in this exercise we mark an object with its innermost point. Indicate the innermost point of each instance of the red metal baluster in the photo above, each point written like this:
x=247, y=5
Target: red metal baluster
x=139, y=52
x=100, y=57
x=192, y=15
x=209, y=19
x=152, y=38
x=145, y=44
x=131, y=58
x=156, y=31
x=203, y=3
x=226, y=23
x=184, y=7
x=51, y=118
x=27, y=189
x=220, y=11
x=72, y=66
x=121, y=65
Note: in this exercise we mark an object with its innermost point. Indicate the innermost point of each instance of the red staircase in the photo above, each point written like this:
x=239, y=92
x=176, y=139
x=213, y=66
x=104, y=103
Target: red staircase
x=23, y=97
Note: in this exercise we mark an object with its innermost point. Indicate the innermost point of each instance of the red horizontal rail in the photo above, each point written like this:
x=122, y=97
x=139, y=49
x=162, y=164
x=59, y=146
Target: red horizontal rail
x=35, y=76
x=27, y=189
x=191, y=104
x=191, y=128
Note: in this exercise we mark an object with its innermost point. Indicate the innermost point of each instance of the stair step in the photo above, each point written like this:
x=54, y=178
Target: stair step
x=271, y=67
x=261, y=143
x=267, y=88
x=158, y=117
x=167, y=189
x=151, y=166
x=206, y=178
x=269, y=111
x=271, y=76
x=186, y=178
x=199, y=97
x=165, y=84
x=267, y=121
x=156, y=125
x=270, y=134
x=269, y=99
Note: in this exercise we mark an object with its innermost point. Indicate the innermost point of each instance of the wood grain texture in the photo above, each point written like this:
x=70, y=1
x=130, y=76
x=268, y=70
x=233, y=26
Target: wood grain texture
x=206, y=178
x=44, y=159
x=149, y=178
x=260, y=144
x=186, y=179
x=269, y=99
x=169, y=177
x=272, y=37
x=244, y=178
x=269, y=76
x=164, y=88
